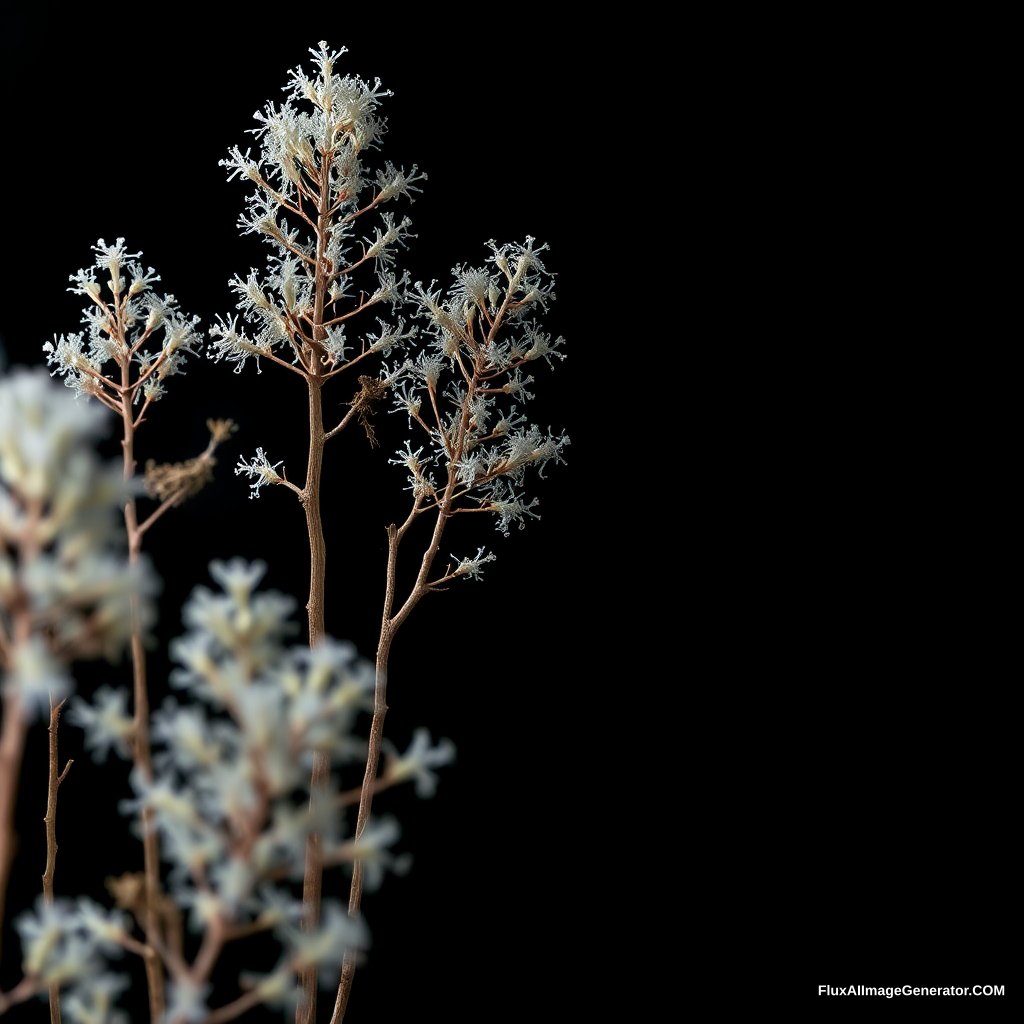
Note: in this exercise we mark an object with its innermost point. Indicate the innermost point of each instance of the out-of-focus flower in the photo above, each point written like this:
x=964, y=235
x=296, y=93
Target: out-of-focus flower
x=417, y=761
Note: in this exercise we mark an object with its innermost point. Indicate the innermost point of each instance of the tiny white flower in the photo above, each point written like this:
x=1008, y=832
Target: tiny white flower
x=35, y=678
x=107, y=927
x=371, y=850
x=106, y=722
x=326, y=946
x=186, y=1001
x=238, y=577
x=417, y=761
x=473, y=567
x=260, y=470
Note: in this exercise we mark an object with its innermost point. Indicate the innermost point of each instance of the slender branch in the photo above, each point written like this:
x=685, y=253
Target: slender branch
x=5, y=647
x=114, y=404
x=348, y=218
x=282, y=241
x=351, y=362
x=172, y=958
x=100, y=377
x=284, y=482
x=346, y=419
x=141, y=748
x=313, y=874
x=352, y=266
x=25, y=989
x=352, y=796
x=155, y=515
x=267, y=354
x=12, y=750
x=56, y=778
x=351, y=313
x=389, y=626
x=141, y=340
x=236, y=1008
x=380, y=709
x=213, y=941
x=142, y=413
x=232, y=933
x=146, y=374
x=280, y=198
x=298, y=337
x=423, y=423
x=432, y=391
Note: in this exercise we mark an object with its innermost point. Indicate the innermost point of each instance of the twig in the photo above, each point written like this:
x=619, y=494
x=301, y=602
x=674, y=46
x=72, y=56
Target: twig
x=12, y=750
x=235, y=1009
x=391, y=621
x=56, y=778
x=25, y=989
x=140, y=747
x=389, y=626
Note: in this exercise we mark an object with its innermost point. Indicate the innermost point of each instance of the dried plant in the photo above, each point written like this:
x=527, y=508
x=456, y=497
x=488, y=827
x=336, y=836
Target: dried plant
x=311, y=173
x=145, y=337
x=237, y=780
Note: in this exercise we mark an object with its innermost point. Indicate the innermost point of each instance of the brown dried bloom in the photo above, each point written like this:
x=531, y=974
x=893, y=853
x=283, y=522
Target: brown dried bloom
x=371, y=391
x=175, y=482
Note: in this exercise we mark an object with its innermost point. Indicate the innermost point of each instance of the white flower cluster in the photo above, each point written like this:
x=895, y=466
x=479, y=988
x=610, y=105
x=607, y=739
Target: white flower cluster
x=63, y=572
x=231, y=795
x=320, y=134
x=484, y=332
x=67, y=944
x=260, y=470
x=123, y=320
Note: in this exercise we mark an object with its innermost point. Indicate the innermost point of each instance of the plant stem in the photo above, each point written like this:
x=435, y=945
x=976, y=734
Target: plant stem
x=312, y=883
x=355, y=896
x=389, y=627
x=56, y=778
x=25, y=989
x=12, y=750
x=15, y=724
x=143, y=756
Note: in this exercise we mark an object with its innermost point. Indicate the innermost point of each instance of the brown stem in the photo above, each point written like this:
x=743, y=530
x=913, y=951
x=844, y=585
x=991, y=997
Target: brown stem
x=213, y=941
x=56, y=778
x=389, y=626
x=235, y=1009
x=15, y=723
x=154, y=516
x=353, y=796
x=25, y=989
x=12, y=750
x=355, y=895
x=143, y=756
x=312, y=882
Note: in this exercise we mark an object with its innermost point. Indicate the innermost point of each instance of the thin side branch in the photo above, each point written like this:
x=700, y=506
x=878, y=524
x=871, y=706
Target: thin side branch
x=56, y=778
x=25, y=989
x=12, y=749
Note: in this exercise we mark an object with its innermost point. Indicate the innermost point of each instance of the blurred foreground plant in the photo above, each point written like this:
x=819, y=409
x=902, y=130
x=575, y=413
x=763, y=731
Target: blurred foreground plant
x=67, y=589
x=231, y=799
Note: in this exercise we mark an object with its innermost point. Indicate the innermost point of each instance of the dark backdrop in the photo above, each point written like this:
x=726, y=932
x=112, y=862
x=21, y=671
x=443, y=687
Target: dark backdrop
x=757, y=596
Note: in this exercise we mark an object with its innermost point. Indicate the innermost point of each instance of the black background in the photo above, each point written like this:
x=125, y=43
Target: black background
x=732, y=717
